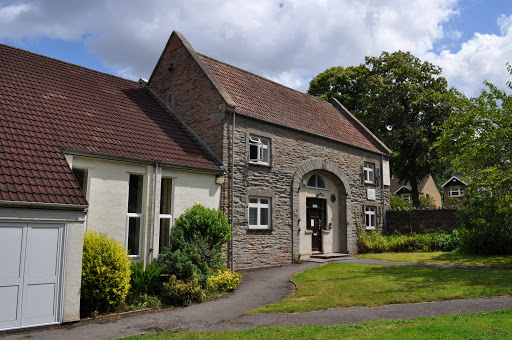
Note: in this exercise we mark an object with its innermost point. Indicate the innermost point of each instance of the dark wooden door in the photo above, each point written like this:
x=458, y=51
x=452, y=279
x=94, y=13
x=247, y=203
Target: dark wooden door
x=315, y=216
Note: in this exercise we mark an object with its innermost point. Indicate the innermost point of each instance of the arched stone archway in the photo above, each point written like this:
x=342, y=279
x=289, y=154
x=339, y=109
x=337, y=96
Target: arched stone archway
x=342, y=229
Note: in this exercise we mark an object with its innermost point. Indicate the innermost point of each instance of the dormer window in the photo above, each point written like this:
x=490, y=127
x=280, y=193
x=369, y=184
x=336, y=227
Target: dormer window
x=259, y=150
x=316, y=181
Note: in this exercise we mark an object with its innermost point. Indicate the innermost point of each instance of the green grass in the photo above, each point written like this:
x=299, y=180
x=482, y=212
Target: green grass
x=346, y=285
x=486, y=325
x=444, y=258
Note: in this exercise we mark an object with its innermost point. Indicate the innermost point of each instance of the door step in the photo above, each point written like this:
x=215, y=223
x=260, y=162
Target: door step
x=328, y=255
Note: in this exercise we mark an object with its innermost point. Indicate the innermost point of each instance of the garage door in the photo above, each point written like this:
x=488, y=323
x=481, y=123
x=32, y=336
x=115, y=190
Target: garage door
x=30, y=273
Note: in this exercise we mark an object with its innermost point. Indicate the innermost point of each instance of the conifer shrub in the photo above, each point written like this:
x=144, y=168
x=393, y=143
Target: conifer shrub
x=105, y=274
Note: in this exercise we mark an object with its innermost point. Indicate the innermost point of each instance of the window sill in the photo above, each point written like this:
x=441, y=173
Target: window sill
x=370, y=228
x=370, y=183
x=259, y=228
x=268, y=165
x=308, y=231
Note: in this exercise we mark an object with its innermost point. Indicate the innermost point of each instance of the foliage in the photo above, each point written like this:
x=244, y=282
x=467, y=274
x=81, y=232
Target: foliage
x=144, y=284
x=337, y=285
x=376, y=242
x=105, y=274
x=178, y=293
x=401, y=100
x=426, y=203
x=486, y=226
x=399, y=204
x=195, y=247
x=223, y=280
x=483, y=325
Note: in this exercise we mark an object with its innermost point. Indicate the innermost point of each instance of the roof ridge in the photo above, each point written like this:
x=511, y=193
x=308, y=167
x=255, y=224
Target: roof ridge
x=261, y=77
x=67, y=62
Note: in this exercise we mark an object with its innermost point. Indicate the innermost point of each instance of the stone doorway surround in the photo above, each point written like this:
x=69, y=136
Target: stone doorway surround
x=344, y=227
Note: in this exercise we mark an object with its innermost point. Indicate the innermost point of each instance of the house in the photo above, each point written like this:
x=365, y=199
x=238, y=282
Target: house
x=302, y=175
x=83, y=150
x=427, y=188
x=453, y=191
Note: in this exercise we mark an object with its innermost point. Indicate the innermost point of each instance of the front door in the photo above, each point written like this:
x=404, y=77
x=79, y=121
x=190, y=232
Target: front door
x=316, y=221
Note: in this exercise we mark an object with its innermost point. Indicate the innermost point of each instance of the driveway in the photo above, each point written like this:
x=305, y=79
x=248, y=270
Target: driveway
x=258, y=287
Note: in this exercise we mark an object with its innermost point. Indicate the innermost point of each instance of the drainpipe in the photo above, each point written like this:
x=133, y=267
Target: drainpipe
x=383, y=193
x=232, y=189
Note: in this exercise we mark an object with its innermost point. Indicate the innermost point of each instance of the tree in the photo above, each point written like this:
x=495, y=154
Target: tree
x=401, y=100
x=477, y=138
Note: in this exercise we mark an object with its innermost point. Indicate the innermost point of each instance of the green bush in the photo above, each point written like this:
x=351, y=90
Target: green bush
x=144, y=284
x=486, y=226
x=195, y=247
x=105, y=274
x=376, y=242
x=179, y=293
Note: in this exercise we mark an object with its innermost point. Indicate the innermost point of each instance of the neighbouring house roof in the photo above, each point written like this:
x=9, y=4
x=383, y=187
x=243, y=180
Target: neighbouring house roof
x=397, y=185
x=260, y=98
x=48, y=106
x=454, y=180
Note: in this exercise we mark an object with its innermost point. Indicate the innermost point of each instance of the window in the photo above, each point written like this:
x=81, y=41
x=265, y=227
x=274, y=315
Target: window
x=165, y=213
x=259, y=212
x=457, y=192
x=408, y=198
x=81, y=177
x=259, y=150
x=370, y=217
x=316, y=181
x=133, y=237
x=369, y=172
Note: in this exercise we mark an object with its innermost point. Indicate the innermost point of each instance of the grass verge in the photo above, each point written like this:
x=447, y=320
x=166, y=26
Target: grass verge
x=440, y=257
x=486, y=325
x=347, y=285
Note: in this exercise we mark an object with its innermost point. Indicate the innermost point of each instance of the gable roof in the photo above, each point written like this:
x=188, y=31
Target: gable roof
x=48, y=106
x=397, y=185
x=454, y=180
x=266, y=100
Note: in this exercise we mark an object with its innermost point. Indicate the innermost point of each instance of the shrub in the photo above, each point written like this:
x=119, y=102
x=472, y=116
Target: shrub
x=144, y=284
x=195, y=247
x=486, y=226
x=178, y=293
x=105, y=274
x=223, y=280
x=376, y=242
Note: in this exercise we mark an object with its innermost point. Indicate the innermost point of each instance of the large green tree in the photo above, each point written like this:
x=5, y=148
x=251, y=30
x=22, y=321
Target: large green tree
x=401, y=100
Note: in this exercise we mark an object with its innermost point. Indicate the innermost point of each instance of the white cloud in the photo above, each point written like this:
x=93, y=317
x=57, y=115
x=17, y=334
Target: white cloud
x=289, y=41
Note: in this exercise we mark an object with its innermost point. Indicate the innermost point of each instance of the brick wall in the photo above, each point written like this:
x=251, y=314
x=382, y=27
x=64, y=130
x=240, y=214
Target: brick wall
x=421, y=221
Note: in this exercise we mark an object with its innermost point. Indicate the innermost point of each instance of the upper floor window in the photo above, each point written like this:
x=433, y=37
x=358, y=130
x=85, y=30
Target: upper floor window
x=134, y=229
x=259, y=212
x=81, y=177
x=259, y=150
x=457, y=192
x=316, y=181
x=369, y=172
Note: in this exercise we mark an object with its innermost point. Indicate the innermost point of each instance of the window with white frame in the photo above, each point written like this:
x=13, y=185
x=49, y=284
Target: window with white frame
x=259, y=150
x=316, y=181
x=165, y=213
x=408, y=198
x=370, y=217
x=134, y=215
x=369, y=172
x=456, y=192
x=259, y=212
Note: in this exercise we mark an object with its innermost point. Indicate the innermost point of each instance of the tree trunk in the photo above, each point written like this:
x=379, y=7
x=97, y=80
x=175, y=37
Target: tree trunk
x=414, y=193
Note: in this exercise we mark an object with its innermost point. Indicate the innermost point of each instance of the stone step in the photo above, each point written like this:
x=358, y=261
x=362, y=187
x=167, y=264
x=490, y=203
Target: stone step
x=328, y=255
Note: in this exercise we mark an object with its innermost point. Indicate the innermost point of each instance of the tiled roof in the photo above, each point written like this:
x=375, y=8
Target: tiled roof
x=264, y=99
x=396, y=184
x=47, y=106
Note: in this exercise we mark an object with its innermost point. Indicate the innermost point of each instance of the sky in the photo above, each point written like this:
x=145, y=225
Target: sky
x=288, y=41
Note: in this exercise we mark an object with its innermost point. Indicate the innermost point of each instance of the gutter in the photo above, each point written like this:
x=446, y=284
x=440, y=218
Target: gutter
x=41, y=205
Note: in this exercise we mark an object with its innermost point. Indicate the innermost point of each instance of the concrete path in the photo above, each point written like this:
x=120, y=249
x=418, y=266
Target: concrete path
x=258, y=287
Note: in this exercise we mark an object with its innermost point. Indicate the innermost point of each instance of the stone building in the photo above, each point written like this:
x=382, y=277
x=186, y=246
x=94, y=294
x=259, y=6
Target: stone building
x=302, y=175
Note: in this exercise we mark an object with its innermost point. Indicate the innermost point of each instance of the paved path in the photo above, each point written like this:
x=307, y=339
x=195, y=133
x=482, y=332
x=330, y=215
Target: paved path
x=258, y=287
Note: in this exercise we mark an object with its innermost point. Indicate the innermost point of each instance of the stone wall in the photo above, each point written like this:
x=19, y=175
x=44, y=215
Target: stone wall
x=290, y=149
x=421, y=221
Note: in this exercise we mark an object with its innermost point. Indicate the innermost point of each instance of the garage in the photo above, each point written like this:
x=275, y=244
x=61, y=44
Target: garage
x=31, y=273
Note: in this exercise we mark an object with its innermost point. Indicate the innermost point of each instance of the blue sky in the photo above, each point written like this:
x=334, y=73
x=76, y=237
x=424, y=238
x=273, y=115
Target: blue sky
x=289, y=41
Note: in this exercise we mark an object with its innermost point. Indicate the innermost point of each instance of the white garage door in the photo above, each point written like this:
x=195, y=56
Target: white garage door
x=30, y=273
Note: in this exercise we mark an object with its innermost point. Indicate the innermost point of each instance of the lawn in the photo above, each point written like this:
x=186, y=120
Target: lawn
x=487, y=325
x=444, y=258
x=346, y=285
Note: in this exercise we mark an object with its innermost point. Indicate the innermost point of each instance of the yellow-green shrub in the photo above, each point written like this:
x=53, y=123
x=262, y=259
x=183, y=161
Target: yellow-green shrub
x=178, y=293
x=105, y=274
x=223, y=280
